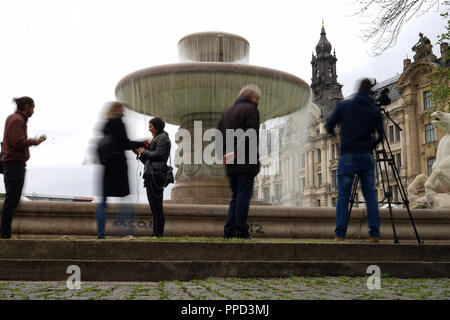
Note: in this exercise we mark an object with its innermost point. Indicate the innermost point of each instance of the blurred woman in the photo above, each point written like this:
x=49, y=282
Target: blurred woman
x=155, y=160
x=112, y=157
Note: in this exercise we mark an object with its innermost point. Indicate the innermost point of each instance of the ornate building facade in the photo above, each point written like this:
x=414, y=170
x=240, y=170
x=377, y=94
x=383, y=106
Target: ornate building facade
x=307, y=158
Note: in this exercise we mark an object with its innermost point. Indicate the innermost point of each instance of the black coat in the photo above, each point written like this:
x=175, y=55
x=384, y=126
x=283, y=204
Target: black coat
x=115, y=174
x=359, y=119
x=157, y=153
x=158, y=150
x=243, y=115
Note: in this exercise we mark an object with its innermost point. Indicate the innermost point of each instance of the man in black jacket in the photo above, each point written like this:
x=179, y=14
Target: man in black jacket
x=359, y=119
x=239, y=126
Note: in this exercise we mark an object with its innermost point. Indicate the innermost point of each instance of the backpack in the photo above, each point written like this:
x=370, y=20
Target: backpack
x=105, y=149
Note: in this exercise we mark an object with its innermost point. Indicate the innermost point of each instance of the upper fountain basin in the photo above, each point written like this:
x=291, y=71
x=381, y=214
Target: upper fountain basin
x=176, y=90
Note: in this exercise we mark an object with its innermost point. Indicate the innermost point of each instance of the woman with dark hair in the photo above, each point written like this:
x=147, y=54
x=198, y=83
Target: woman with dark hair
x=155, y=160
x=111, y=152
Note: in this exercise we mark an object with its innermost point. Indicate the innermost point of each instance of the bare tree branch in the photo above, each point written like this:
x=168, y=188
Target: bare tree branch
x=385, y=19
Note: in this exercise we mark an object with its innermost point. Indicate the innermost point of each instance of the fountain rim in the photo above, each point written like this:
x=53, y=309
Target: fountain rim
x=213, y=33
x=209, y=67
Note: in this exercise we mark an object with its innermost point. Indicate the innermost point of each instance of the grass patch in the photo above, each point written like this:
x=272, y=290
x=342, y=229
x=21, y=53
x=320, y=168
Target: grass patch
x=163, y=295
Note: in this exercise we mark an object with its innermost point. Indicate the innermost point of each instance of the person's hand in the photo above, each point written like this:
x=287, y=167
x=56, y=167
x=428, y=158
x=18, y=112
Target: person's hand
x=38, y=141
x=229, y=158
x=139, y=150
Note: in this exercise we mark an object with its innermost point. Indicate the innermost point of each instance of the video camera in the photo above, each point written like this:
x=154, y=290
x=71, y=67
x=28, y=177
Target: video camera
x=383, y=98
x=380, y=98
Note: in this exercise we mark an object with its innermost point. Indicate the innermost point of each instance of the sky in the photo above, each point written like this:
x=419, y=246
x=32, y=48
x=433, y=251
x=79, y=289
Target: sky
x=69, y=55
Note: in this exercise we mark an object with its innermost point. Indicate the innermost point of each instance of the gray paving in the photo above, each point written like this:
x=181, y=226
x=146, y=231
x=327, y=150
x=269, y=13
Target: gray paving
x=294, y=288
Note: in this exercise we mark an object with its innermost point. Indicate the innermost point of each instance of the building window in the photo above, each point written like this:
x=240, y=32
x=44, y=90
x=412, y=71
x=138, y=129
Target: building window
x=278, y=192
x=333, y=202
x=398, y=160
x=397, y=133
x=391, y=134
x=269, y=143
x=266, y=194
x=334, y=179
x=255, y=195
x=430, y=162
x=302, y=161
x=317, y=132
x=333, y=152
x=429, y=133
x=318, y=203
x=427, y=102
x=319, y=155
x=337, y=149
x=319, y=179
x=302, y=184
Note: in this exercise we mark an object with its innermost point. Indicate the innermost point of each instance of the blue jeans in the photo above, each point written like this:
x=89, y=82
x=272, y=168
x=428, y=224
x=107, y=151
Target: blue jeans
x=242, y=188
x=101, y=216
x=349, y=165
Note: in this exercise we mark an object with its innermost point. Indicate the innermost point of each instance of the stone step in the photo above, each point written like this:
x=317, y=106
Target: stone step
x=219, y=251
x=148, y=271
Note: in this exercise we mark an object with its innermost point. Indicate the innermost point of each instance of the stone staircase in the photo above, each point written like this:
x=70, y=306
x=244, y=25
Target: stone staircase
x=119, y=260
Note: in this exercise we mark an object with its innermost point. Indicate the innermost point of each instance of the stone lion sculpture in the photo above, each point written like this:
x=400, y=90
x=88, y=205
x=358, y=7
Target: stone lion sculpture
x=437, y=186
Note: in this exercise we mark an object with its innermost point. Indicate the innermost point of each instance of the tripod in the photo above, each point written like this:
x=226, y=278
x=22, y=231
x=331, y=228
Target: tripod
x=386, y=158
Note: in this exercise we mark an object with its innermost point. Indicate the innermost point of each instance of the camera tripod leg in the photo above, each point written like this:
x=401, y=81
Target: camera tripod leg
x=396, y=240
x=353, y=195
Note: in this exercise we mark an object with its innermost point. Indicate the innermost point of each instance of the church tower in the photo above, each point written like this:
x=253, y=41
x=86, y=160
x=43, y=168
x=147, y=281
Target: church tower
x=326, y=90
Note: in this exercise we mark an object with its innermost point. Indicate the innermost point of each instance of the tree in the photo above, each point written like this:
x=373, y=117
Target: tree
x=386, y=19
x=440, y=77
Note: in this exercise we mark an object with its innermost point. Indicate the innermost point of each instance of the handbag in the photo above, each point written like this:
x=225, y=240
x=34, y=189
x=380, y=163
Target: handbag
x=105, y=150
x=161, y=174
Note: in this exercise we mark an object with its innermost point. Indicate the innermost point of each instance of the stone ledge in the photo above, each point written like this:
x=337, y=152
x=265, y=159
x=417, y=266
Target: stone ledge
x=78, y=219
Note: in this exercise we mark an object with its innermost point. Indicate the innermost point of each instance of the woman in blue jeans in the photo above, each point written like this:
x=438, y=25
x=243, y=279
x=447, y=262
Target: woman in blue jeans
x=115, y=174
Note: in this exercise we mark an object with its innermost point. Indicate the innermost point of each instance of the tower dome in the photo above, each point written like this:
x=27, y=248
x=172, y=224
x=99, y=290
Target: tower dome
x=324, y=46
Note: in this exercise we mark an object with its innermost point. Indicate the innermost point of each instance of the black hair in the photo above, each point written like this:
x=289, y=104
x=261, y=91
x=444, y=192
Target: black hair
x=158, y=124
x=365, y=85
x=22, y=102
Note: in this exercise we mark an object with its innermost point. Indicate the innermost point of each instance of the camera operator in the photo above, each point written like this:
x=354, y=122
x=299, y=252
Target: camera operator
x=359, y=119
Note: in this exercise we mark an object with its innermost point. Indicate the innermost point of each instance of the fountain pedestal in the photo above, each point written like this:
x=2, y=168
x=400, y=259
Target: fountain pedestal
x=197, y=181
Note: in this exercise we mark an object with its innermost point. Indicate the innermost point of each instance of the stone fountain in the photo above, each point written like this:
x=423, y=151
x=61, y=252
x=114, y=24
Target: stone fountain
x=213, y=68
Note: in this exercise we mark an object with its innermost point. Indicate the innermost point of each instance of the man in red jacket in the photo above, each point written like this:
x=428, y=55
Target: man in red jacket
x=15, y=153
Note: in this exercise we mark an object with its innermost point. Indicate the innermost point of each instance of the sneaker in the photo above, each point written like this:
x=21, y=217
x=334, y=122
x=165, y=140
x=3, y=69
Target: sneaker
x=374, y=240
x=339, y=239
